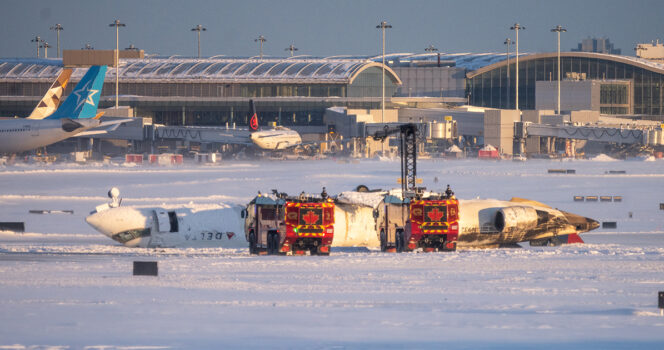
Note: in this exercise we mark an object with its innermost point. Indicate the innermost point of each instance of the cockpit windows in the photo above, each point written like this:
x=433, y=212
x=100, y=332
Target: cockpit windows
x=126, y=236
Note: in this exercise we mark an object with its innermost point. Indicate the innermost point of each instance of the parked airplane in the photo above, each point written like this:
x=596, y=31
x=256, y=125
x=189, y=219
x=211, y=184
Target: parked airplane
x=482, y=224
x=51, y=100
x=77, y=114
x=279, y=138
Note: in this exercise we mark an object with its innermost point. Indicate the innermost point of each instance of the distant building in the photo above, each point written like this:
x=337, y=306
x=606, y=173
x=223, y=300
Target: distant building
x=602, y=45
x=653, y=51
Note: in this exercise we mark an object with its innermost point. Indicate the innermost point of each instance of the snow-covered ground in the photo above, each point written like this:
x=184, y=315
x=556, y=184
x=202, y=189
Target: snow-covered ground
x=63, y=285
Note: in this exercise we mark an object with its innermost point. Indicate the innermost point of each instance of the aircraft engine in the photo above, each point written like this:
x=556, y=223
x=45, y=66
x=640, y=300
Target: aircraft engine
x=515, y=219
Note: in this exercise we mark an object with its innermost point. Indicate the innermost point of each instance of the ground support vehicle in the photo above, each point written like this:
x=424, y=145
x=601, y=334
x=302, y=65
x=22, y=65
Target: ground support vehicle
x=430, y=223
x=279, y=224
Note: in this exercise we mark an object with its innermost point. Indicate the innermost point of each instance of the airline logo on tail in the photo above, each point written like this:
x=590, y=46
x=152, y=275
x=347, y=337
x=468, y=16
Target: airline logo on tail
x=83, y=101
x=51, y=100
x=253, y=122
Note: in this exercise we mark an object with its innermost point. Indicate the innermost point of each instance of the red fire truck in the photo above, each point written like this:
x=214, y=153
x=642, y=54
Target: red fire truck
x=279, y=224
x=429, y=222
x=417, y=219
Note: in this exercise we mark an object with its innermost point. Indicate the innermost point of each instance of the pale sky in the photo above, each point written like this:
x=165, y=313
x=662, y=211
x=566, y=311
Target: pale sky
x=324, y=28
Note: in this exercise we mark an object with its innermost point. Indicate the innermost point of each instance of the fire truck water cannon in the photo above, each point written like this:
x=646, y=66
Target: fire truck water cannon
x=282, y=224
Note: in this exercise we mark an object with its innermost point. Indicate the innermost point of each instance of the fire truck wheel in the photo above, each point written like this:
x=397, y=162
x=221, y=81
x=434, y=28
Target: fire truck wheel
x=399, y=238
x=383, y=241
x=272, y=243
x=252, y=243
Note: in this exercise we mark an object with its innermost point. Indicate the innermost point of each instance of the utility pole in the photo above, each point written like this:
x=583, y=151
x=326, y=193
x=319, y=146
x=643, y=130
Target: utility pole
x=383, y=25
x=517, y=27
x=58, y=27
x=432, y=48
x=199, y=28
x=37, y=40
x=558, y=29
x=45, y=45
x=508, y=42
x=261, y=39
x=117, y=26
x=291, y=48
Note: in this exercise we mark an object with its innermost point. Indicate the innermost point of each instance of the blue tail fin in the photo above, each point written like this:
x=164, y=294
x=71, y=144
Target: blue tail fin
x=84, y=99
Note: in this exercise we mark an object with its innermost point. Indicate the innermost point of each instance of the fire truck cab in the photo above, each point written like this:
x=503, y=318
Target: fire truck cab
x=429, y=221
x=279, y=224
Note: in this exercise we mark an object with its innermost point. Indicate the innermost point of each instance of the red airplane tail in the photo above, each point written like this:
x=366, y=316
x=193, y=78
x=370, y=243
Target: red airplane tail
x=253, y=120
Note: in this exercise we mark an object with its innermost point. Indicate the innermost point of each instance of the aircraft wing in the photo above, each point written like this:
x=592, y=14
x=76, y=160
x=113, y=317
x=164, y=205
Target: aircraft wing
x=104, y=127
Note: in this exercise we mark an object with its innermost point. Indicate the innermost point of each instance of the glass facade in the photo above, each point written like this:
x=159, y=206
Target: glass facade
x=489, y=89
x=211, y=92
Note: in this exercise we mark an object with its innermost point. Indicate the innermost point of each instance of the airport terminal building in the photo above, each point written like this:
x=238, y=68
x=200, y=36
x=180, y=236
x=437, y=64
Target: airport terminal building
x=214, y=91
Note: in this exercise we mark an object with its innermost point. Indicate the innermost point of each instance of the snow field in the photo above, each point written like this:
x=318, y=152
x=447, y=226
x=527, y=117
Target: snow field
x=66, y=286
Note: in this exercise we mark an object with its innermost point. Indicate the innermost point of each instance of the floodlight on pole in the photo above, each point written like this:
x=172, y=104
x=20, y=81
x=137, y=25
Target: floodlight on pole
x=382, y=26
x=58, y=27
x=508, y=42
x=558, y=29
x=45, y=45
x=517, y=27
x=261, y=39
x=117, y=26
x=37, y=40
x=432, y=48
x=199, y=28
x=291, y=48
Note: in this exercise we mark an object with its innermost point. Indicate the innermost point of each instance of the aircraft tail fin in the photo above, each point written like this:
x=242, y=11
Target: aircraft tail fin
x=253, y=120
x=84, y=99
x=52, y=98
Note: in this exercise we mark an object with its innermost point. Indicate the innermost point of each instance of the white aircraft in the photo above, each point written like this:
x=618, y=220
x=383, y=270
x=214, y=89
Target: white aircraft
x=52, y=98
x=483, y=224
x=150, y=227
x=276, y=139
x=77, y=114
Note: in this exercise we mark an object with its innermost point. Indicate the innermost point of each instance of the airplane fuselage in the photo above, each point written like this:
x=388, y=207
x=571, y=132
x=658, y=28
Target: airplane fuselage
x=276, y=139
x=19, y=135
x=179, y=227
x=483, y=223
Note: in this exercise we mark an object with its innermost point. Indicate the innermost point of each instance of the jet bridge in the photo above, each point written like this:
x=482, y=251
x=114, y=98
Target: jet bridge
x=643, y=136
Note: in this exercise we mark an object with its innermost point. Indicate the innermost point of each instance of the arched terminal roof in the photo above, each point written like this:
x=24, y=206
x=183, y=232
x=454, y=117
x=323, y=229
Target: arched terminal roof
x=218, y=69
x=633, y=61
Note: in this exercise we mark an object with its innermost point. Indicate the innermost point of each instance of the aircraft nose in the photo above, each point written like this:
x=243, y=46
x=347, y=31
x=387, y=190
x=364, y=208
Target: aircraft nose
x=99, y=223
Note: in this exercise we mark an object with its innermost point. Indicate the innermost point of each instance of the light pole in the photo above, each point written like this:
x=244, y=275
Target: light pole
x=37, y=40
x=558, y=29
x=199, y=28
x=117, y=26
x=58, y=27
x=45, y=45
x=291, y=48
x=261, y=39
x=382, y=26
x=432, y=48
x=517, y=27
x=508, y=42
